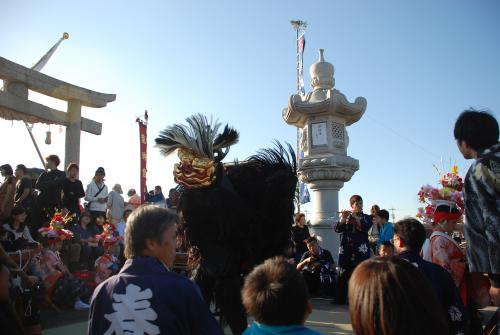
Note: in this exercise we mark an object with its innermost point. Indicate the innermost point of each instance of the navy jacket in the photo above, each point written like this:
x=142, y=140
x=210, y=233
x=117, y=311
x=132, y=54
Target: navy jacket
x=354, y=246
x=147, y=298
x=445, y=289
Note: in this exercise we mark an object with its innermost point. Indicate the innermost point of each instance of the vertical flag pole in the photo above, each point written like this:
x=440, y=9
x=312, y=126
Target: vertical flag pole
x=38, y=67
x=143, y=147
x=298, y=26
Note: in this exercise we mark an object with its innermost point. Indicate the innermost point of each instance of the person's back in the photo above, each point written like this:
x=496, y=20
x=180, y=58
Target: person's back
x=276, y=296
x=389, y=296
x=477, y=134
x=409, y=236
x=146, y=287
x=116, y=204
x=145, y=297
x=49, y=184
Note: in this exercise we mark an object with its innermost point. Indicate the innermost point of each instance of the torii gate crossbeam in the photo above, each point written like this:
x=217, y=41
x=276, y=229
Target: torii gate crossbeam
x=14, y=103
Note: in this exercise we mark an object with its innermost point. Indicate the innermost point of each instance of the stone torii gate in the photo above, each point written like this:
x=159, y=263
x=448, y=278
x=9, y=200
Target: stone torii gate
x=15, y=105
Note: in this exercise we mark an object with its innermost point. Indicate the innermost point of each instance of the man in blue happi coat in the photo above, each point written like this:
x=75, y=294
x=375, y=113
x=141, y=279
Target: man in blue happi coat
x=354, y=246
x=146, y=297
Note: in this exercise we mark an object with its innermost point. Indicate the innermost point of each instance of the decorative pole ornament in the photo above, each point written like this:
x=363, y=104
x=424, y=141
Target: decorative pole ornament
x=65, y=35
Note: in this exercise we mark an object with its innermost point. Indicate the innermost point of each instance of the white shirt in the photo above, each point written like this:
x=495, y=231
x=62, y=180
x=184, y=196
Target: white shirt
x=92, y=189
x=25, y=233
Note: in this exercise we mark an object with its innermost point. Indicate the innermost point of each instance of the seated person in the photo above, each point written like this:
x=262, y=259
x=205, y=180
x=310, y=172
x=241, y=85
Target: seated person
x=276, y=296
x=64, y=289
x=107, y=264
x=318, y=268
x=84, y=234
x=20, y=252
x=17, y=228
x=8, y=317
x=120, y=226
x=386, y=249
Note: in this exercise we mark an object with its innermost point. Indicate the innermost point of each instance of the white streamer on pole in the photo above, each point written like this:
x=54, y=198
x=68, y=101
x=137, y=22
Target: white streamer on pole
x=38, y=67
x=41, y=63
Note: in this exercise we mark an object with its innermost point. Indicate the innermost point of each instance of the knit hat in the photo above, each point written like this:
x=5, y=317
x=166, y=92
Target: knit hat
x=100, y=170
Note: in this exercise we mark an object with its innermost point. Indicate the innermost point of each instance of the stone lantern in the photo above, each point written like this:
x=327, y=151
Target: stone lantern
x=322, y=116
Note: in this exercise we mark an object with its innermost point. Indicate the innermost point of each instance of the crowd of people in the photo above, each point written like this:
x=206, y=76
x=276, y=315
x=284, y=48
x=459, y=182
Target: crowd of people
x=58, y=240
x=116, y=257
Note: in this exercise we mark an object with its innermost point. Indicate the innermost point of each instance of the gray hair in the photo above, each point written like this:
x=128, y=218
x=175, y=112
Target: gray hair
x=146, y=223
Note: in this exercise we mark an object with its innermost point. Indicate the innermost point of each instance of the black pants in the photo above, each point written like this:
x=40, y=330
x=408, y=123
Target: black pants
x=315, y=286
x=312, y=281
x=342, y=285
x=88, y=256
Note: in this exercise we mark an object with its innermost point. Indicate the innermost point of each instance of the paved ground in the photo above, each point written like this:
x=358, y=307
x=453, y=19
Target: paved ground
x=326, y=318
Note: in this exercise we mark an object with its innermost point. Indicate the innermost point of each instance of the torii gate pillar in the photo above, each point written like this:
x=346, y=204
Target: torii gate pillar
x=73, y=132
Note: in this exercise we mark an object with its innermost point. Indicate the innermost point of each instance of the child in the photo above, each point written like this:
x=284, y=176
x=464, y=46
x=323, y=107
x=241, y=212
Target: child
x=107, y=264
x=386, y=249
x=61, y=285
x=275, y=295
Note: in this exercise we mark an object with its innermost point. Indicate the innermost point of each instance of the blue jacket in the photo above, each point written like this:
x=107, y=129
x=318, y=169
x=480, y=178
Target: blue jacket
x=147, y=298
x=354, y=247
x=386, y=233
x=261, y=329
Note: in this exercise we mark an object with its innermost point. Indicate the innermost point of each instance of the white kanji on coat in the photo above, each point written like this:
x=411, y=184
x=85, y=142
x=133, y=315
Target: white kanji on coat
x=341, y=250
x=133, y=312
x=363, y=248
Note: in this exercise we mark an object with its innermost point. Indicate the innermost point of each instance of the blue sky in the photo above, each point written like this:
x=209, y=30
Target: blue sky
x=418, y=63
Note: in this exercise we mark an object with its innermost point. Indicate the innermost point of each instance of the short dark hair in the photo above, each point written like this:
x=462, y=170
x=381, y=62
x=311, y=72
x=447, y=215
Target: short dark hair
x=479, y=129
x=355, y=198
x=158, y=187
x=22, y=167
x=379, y=291
x=275, y=293
x=17, y=210
x=71, y=166
x=53, y=158
x=411, y=232
x=384, y=214
x=7, y=169
x=146, y=223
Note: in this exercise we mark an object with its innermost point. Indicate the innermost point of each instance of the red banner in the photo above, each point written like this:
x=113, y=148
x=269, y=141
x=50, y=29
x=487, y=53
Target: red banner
x=143, y=138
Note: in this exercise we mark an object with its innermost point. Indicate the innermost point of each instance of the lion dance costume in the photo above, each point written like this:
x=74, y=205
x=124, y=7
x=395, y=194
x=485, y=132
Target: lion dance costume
x=236, y=215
